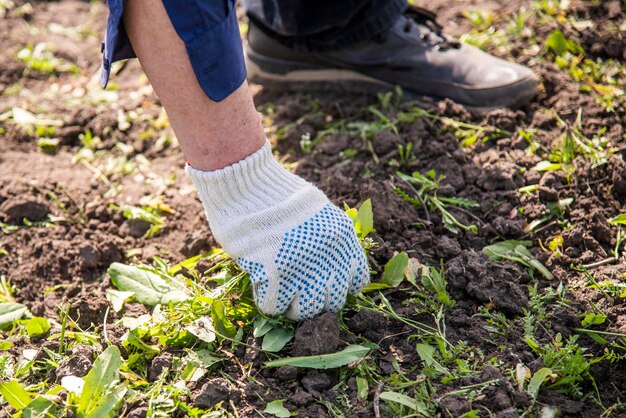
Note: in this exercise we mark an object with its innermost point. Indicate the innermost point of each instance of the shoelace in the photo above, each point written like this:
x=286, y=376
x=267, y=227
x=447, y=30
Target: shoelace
x=431, y=32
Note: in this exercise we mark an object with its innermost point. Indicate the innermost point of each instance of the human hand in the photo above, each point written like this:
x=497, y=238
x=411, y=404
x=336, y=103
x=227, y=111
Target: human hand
x=301, y=251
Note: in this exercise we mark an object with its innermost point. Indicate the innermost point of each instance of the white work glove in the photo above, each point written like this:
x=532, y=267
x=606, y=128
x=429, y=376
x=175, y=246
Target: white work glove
x=301, y=251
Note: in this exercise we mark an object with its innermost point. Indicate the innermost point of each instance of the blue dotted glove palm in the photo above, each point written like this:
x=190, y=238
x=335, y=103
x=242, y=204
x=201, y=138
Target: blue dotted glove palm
x=301, y=251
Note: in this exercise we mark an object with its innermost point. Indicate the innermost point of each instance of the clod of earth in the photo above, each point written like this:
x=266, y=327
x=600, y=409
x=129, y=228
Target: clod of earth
x=15, y=210
x=316, y=336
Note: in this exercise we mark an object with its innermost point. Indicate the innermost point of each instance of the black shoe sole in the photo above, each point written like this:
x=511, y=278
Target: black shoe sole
x=296, y=77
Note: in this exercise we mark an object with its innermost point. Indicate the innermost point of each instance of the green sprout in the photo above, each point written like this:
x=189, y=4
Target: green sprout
x=426, y=197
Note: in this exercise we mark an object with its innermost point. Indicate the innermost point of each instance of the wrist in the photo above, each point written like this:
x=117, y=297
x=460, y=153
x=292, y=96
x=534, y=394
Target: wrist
x=253, y=184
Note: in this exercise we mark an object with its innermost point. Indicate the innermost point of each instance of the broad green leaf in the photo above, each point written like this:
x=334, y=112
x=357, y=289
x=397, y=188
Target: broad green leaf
x=537, y=380
x=277, y=409
x=618, y=220
x=593, y=319
x=11, y=312
x=516, y=251
x=221, y=323
x=394, y=269
x=133, y=338
x=276, y=339
x=559, y=44
x=39, y=407
x=15, y=394
x=596, y=337
x=351, y=212
x=117, y=298
x=261, y=327
x=412, y=270
x=5, y=345
x=403, y=400
x=362, y=388
x=149, y=288
x=500, y=249
x=556, y=42
x=207, y=358
x=100, y=379
x=108, y=404
x=346, y=356
x=364, y=222
x=427, y=354
x=37, y=326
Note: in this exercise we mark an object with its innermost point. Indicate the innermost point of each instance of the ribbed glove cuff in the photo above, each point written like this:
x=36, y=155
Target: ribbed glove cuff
x=250, y=185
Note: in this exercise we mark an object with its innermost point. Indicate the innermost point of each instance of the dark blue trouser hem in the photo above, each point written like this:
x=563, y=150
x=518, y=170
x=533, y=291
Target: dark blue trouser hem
x=323, y=25
x=210, y=31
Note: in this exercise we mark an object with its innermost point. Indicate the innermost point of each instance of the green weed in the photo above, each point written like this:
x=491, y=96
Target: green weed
x=467, y=133
x=151, y=213
x=568, y=363
x=426, y=197
x=41, y=59
x=517, y=252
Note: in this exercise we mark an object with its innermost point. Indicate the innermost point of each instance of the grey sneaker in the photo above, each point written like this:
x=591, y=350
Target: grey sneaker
x=414, y=54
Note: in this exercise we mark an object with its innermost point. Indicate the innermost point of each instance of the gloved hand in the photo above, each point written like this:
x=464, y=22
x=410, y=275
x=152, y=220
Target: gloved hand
x=301, y=251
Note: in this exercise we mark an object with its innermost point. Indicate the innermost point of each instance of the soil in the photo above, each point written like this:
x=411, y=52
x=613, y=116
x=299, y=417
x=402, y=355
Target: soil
x=64, y=261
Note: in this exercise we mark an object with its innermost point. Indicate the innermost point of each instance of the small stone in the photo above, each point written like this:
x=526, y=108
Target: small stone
x=89, y=256
x=301, y=398
x=548, y=194
x=454, y=406
x=315, y=381
x=164, y=361
x=211, y=393
x=140, y=412
x=508, y=413
x=16, y=209
x=316, y=336
x=501, y=400
x=287, y=373
x=137, y=228
x=194, y=244
x=77, y=364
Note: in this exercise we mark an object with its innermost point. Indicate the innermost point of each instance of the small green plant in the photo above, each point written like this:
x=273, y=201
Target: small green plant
x=363, y=219
x=568, y=365
x=151, y=213
x=434, y=281
x=480, y=18
x=517, y=252
x=426, y=197
x=41, y=59
x=467, y=133
x=405, y=154
x=275, y=333
x=538, y=307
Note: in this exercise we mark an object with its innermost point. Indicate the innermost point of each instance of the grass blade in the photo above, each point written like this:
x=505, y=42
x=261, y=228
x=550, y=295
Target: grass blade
x=348, y=355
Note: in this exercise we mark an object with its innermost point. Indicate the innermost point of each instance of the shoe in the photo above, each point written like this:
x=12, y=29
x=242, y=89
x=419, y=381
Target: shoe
x=414, y=54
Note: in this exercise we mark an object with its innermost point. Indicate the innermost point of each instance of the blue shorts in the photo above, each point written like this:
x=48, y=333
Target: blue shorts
x=210, y=31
